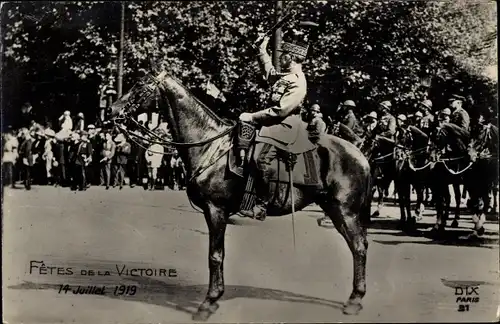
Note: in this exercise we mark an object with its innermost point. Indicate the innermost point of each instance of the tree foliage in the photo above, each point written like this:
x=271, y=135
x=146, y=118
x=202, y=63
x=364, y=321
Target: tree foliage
x=58, y=53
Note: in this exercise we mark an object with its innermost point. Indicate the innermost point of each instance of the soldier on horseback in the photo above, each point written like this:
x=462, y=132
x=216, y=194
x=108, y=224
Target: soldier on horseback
x=427, y=120
x=459, y=116
x=288, y=90
x=387, y=122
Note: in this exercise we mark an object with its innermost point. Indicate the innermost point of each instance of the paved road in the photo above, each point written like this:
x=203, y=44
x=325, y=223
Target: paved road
x=409, y=278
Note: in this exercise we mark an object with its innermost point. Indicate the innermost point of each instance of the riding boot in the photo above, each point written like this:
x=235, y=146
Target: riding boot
x=263, y=158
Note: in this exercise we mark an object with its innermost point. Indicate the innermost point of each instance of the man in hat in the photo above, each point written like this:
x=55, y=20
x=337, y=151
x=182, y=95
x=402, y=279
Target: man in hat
x=82, y=159
x=107, y=154
x=349, y=119
x=122, y=153
x=288, y=90
x=387, y=122
x=459, y=116
x=316, y=126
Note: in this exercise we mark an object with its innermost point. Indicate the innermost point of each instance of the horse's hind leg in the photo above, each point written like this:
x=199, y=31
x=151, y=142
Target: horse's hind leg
x=216, y=223
x=456, y=191
x=349, y=226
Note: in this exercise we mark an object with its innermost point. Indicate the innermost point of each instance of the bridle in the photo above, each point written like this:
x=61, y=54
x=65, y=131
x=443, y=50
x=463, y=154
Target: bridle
x=151, y=91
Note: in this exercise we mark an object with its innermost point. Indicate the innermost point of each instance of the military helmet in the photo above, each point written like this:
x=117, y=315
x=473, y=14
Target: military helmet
x=315, y=108
x=419, y=114
x=373, y=115
x=446, y=111
x=402, y=117
x=349, y=103
x=454, y=97
x=426, y=104
x=386, y=104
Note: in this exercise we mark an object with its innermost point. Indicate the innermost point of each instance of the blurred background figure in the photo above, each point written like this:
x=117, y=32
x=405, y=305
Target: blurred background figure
x=9, y=158
x=48, y=154
x=65, y=121
x=80, y=122
x=26, y=156
x=154, y=156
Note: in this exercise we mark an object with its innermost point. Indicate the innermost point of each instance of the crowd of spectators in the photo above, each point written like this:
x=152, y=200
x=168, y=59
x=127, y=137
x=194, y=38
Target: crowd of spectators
x=79, y=156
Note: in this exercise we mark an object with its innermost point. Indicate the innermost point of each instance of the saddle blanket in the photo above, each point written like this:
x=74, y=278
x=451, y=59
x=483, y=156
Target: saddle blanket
x=305, y=170
x=290, y=135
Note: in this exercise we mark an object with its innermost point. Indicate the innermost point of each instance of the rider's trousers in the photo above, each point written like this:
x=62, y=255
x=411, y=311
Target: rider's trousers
x=263, y=156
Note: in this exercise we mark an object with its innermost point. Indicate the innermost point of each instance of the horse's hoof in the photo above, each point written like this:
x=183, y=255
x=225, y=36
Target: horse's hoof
x=454, y=224
x=480, y=231
x=352, y=308
x=202, y=315
x=376, y=213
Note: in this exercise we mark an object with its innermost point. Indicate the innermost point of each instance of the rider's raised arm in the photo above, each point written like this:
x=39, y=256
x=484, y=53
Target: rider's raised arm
x=266, y=64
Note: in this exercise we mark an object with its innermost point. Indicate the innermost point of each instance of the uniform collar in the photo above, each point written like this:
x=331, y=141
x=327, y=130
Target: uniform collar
x=296, y=69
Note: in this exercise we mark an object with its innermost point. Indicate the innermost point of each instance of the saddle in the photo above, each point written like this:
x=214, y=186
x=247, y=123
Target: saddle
x=295, y=152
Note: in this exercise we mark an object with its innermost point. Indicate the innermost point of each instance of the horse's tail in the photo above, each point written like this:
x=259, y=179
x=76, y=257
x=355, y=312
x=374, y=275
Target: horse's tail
x=367, y=201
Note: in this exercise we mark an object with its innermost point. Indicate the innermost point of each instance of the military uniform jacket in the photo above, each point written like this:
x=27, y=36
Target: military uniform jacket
x=426, y=123
x=351, y=121
x=288, y=90
x=387, y=126
x=461, y=118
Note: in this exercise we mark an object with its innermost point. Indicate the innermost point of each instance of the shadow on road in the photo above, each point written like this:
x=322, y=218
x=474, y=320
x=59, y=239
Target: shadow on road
x=451, y=236
x=186, y=298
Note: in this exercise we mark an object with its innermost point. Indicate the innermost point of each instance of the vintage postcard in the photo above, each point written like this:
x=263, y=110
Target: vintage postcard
x=249, y=161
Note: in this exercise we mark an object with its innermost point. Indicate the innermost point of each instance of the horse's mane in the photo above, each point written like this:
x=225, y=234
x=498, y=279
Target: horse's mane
x=457, y=134
x=420, y=139
x=347, y=134
x=201, y=104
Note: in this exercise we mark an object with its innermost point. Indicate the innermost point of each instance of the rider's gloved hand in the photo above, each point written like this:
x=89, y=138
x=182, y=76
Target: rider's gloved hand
x=263, y=45
x=246, y=117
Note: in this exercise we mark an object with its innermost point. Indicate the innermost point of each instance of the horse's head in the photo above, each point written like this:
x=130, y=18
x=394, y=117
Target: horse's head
x=141, y=98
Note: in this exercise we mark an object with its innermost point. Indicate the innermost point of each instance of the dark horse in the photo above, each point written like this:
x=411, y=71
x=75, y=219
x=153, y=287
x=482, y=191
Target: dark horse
x=380, y=153
x=344, y=197
x=453, y=163
x=483, y=176
x=412, y=168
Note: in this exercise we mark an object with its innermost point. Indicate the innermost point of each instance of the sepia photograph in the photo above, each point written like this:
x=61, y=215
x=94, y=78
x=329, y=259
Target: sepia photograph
x=249, y=161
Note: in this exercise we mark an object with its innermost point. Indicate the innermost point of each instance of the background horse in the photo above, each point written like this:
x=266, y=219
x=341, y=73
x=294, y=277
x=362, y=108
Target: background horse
x=204, y=139
x=412, y=161
x=483, y=175
x=380, y=154
x=452, y=162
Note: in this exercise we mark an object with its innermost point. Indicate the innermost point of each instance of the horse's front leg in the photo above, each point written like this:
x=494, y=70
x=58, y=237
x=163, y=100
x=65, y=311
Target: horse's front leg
x=456, y=191
x=216, y=222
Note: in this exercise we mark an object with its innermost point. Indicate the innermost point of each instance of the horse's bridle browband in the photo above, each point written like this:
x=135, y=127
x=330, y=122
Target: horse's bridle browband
x=147, y=95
